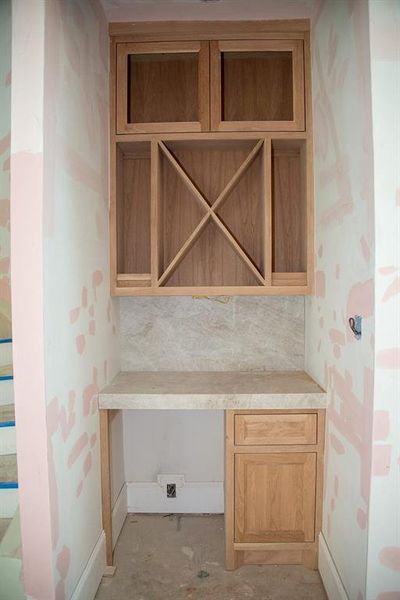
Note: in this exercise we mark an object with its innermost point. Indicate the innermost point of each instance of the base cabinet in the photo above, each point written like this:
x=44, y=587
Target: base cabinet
x=273, y=486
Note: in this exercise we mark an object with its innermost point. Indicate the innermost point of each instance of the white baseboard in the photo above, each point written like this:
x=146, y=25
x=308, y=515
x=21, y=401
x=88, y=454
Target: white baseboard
x=119, y=513
x=193, y=497
x=329, y=574
x=91, y=576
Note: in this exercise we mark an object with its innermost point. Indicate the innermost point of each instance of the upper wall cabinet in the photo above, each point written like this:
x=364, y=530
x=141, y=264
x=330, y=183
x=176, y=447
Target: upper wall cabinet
x=211, y=181
x=257, y=85
x=162, y=86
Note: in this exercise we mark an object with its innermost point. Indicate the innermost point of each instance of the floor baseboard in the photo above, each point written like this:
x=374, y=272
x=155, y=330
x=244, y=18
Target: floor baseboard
x=329, y=574
x=93, y=572
x=193, y=497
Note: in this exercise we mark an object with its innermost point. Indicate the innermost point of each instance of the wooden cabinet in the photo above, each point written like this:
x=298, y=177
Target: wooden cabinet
x=162, y=86
x=273, y=486
x=211, y=174
x=257, y=85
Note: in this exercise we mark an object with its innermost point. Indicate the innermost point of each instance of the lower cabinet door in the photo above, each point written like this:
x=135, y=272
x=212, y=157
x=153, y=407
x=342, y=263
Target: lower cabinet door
x=275, y=497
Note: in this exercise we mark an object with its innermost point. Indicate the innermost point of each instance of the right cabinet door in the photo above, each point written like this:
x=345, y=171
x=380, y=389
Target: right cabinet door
x=257, y=85
x=275, y=497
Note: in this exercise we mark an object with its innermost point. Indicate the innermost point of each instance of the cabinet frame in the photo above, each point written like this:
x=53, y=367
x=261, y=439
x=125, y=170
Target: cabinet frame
x=240, y=553
x=217, y=48
x=151, y=284
x=125, y=49
x=176, y=32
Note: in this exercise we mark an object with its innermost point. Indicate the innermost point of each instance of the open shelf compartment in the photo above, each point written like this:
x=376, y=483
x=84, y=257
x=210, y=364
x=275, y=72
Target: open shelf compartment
x=211, y=213
x=222, y=242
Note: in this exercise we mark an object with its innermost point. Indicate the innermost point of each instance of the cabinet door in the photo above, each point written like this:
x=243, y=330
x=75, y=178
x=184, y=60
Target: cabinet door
x=275, y=497
x=257, y=85
x=162, y=86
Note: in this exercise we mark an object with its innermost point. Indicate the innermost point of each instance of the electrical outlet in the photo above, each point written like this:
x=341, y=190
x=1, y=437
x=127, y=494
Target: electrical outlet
x=171, y=490
x=170, y=484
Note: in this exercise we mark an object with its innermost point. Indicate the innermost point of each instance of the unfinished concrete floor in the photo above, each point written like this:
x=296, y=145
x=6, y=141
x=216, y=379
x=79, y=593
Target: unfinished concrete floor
x=181, y=557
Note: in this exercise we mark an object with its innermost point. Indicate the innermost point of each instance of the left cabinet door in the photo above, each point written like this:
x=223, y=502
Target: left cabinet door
x=162, y=87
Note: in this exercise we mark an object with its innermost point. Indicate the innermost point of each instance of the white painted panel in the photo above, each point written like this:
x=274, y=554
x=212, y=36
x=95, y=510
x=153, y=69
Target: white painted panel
x=6, y=392
x=8, y=503
x=7, y=440
x=190, y=443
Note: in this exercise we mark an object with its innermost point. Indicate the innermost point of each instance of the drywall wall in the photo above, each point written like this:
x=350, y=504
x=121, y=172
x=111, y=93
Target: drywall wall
x=80, y=337
x=65, y=333
x=383, y=574
x=173, y=10
x=344, y=246
x=5, y=141
x=205, y=334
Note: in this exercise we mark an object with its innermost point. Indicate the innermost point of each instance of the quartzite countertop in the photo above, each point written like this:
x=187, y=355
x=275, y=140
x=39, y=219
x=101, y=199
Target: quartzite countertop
x=212, y=390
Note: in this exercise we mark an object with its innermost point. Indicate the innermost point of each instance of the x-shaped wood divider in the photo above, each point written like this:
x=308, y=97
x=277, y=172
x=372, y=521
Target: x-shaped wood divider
x=211, y=213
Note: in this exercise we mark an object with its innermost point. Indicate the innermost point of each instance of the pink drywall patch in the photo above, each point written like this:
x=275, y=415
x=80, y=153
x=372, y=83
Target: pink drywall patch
x=362, y=518
x=5, y=143
x=91, y=310
x=389, y=358
x=93, y=440
x=387, y=270
x=80, y=343
x=392, y=290
x=337, y=337
x=320, y=284
x=337, y=351
x=79, y=489
x=74, y=315
x=5, y=213
x=336, y=486
x=390, y=557
x=89, y=393
x=77, y=449
x=366, y=252
x=389, y=596
x=84, y=297
x=360, y=300
x=381, y=425
x=87, y=465
x=381, y=459
x=337, y=444
x=62, y=563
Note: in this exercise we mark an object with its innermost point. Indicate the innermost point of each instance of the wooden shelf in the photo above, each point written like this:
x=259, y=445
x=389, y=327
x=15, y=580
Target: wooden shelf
x=211, y=160
x=202, y=215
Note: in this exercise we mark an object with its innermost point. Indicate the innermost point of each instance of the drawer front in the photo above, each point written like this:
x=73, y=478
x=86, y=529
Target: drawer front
x=275, y=429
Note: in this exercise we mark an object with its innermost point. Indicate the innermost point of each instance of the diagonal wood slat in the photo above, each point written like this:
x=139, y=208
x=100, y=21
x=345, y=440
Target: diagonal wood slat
x=211, y=213
x=237, y=176
x=186, y=179
x=184, y=250
x=239, y=250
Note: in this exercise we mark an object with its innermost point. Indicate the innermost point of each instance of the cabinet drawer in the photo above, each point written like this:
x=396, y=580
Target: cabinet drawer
x=275, y=429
